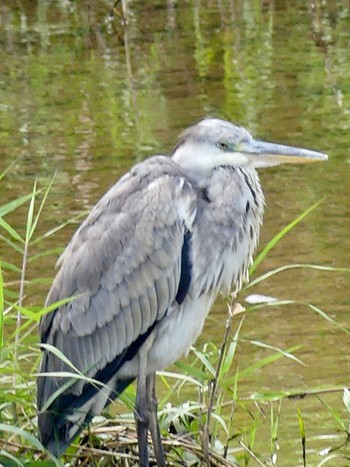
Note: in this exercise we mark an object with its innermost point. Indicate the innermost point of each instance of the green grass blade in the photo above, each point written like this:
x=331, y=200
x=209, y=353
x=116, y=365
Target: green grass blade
x=13, y=163
x=10, y=230
x=33, y=441
x=36, y=313
x=12, y=205
x=43, y=201
x=1, y=309
x=179, y=376
x=328, y=318
x=274, y=423
x=220, y=421
x=51, y=252
x=12, y=244
x=54, y=350
x=302, y=435
x=332, y=457
x=53, y=231
x=284, y=352
x=55, y=305
x=71, y=379
x=286, y=267
x=228, y=360
x=263, y=362
x=29, y=229
x=7, y=455
x=334, y=414
x=10, y=267
x=322, y=313
x=280, y=235
x=32, y=315
x=206, y=363
x=192, y=371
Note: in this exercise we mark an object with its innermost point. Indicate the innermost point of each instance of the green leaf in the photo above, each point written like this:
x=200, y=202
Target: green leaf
x=1, y=309
x=23, y=434
x=263, y=362
x=12, y=205
x=71, y=377
x=228, y=360
x=10, y=230
x=284, y=352
x=10, y=267
x=221, y=421
x=29, y=230
x=302, y=434
x=53, y=251
x=179, y=376
x=328, y=318
x=43, y=201
x=280, y=235
x=6, y=455
x=55, y=305
x=36, y=313
x=27, y=312
x=51, y=232
x=12, y=244
x=235, y=385
x=287, y=267
x=301, y=424
x=192, y=371
x=334, y=414
x=174, y=412
x=274, y=425
x=54, y=350
x=207, y=365
x=14, y=162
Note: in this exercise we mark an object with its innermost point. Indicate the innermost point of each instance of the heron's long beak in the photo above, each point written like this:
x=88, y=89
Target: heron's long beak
x=265, y=154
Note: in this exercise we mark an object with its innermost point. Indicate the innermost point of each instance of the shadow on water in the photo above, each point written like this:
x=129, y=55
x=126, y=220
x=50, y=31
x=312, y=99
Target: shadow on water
x=89, y=88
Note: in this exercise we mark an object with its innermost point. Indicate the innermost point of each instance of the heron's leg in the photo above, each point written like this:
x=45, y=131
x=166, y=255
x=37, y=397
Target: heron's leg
x=153, y=420
x=141, y=413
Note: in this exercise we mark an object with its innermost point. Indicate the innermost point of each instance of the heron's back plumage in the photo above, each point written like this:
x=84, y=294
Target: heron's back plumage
x=150, y=259
x=123, y=266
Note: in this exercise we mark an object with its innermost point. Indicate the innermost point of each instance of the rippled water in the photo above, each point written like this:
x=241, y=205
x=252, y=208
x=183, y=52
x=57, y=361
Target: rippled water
x=84, y=94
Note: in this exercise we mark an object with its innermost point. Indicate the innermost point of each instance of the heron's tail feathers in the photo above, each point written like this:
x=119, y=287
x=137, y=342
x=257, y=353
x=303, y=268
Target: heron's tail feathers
x=56, y=438
x=68, y=415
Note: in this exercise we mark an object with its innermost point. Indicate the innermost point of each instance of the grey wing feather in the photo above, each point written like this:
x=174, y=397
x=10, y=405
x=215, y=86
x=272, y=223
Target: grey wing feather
x=123, y=268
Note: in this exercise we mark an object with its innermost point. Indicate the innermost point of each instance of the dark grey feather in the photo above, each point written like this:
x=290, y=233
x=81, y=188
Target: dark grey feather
x=123, y=268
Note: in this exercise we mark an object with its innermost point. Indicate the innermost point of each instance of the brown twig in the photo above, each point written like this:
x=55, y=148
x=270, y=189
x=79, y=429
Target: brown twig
x=214, y=382
x=251, y=453
x=294, y=395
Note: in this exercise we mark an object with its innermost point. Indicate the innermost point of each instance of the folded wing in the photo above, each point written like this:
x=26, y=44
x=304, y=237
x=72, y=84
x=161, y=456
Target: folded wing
x=126, y=264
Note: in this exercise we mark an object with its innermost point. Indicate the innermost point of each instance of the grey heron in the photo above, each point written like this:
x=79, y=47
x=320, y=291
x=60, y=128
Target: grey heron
x=144, y=269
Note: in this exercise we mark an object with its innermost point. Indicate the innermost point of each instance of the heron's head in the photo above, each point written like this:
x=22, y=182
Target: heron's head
x=213, y=142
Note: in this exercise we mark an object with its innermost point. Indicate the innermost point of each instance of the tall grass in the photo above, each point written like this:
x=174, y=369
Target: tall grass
x=199, y=400
x=18, y=354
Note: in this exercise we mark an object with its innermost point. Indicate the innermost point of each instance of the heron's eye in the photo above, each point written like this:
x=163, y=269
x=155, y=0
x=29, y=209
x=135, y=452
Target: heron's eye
x=223, y=145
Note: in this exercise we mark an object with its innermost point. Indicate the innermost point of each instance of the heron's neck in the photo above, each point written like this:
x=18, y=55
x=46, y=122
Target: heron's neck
x=233, y=185
x=228, y=227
